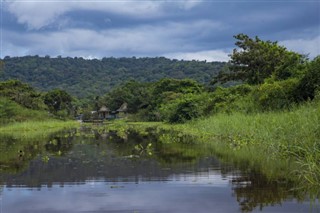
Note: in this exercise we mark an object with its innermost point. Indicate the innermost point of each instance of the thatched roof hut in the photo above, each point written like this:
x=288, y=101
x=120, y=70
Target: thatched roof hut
x=123, y=107
x=103, y=112
x=104, y=109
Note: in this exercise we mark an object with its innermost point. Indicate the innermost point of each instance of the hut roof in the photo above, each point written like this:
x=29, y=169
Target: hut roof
x=123, y=108
x=104, y=109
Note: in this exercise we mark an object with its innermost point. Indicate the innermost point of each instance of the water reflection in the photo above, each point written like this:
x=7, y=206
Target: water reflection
x=100, y=171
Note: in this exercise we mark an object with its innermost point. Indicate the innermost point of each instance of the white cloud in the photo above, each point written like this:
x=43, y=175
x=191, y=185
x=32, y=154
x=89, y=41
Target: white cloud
x=188, y=4
x=209, y=55
x=38, y=14
x=304, y=46
x=144, y=40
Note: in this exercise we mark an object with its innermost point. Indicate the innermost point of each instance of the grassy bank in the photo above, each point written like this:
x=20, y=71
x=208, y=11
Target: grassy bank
x=287, y=136
x=21, y=142
x=281, y=144
x=36, y=129
x=12, y=112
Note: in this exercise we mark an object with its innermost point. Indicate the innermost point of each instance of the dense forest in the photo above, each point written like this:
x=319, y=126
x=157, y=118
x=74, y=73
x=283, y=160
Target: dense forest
x=270, y=78
x=83, y=77
x=271, y=115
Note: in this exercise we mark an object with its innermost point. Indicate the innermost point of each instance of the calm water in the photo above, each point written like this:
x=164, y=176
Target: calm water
x=100, y=172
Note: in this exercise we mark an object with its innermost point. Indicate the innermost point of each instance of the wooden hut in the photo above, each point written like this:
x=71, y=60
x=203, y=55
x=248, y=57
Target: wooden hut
x=104, y=112
x=122, y=111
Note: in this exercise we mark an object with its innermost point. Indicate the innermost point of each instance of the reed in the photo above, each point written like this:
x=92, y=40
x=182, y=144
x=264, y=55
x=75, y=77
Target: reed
x=291, y=136
x=282, y=143
x=36, y=129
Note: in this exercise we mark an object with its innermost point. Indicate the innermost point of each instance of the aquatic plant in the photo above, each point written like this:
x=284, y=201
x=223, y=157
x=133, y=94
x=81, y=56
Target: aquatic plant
x=279, y=143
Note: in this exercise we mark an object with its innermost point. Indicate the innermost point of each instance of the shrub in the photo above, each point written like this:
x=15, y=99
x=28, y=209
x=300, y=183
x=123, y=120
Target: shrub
x=11, y=111
x=186, y=107
x=310, y=82
x=275, y=95
x=228, y=99
x=22, y=94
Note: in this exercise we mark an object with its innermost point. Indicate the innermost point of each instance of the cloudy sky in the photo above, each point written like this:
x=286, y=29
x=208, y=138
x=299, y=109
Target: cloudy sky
x=182, y=29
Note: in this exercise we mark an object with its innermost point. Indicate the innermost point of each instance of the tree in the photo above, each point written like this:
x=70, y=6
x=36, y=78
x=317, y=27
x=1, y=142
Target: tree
x=309, y=84
x=57, y=100
x=186, y=107
x=21, y=93
x=177, y=86
x=136, y=94
x=168, y=89
x=1, y=66
x=257, y=60
x=73, y=76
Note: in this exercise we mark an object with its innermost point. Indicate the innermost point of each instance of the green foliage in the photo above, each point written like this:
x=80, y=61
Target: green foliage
x=7, y=109
x=282, y=134
x=21, y=102
x=58, y=101
x=177, y=101
x=310, y=82
x=292, y=65
x=257, y=60
x=83, y=78
x=186, y=107
x=11, y=112
x=231, y=99
x=177, y=86
x=136, y=94
x=276, y=95
x=276, y=79
x=1, y=66
x=22, y=94
x=90, y=116
x=145, y=99
x=190, y=106
x=281, y=144
x=87, y=115
x=177, y=95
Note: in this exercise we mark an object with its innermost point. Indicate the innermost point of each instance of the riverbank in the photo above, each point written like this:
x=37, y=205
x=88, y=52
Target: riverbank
x=36, y=129
x=281, y=144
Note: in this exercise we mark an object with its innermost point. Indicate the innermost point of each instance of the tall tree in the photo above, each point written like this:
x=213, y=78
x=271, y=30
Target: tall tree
x=21, y=93
x=309, y=84
x=136, y=94
x=256, y=60
x=57, y=100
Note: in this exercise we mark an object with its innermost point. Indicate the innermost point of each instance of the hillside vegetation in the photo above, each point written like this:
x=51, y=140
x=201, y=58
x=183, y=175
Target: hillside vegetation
x=272, y=79
x=83, y=77
x=271, y=121
x=272, y=115
x=19, y=102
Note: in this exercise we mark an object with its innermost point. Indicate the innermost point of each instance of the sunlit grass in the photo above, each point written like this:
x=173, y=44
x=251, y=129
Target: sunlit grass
x=11, y=112
x=36, y=129
x=291, y=135
x=284, y=143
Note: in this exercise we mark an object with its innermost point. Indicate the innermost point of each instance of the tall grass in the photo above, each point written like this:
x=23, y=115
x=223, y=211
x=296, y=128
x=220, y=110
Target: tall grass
x=282, y=143
x=285, y=130
x=36, y=129
x=11, y=112
x=23, y=122
x=293, y=134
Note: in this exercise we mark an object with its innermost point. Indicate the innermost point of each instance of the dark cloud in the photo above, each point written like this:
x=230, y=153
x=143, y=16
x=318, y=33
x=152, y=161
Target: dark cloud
x=154, y=28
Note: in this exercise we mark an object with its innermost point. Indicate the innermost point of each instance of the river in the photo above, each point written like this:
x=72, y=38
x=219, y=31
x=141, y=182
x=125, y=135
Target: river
x=89, y=171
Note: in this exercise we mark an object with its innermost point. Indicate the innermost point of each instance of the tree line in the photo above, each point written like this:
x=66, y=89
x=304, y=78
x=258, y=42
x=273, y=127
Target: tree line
x=19, y=102
x=267, y=77
x=91, y=77
x=260, y=76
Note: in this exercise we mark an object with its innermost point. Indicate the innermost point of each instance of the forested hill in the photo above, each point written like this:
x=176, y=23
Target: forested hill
x=84, y=77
